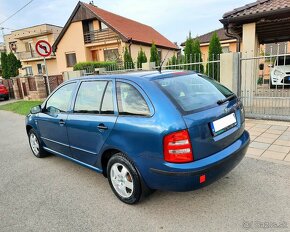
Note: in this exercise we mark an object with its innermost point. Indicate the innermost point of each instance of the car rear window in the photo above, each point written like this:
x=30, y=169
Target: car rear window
x=193, y=92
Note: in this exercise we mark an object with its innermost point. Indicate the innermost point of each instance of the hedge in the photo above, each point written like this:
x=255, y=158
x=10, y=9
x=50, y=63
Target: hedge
x=94, y=64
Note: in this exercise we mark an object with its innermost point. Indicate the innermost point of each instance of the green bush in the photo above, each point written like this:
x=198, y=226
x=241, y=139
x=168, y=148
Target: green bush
x=142, y=58
x=154, y=57
x=95, y=64
x=214, y=51
x=260, y=81
x=10, y=65
x=193, y=54
x=128, y=61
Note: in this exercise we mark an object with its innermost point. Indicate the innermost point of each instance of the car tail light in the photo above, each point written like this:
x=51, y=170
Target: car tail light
x=177, y=147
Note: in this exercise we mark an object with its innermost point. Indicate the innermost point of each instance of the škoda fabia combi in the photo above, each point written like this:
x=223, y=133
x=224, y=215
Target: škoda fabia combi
x=174, y=131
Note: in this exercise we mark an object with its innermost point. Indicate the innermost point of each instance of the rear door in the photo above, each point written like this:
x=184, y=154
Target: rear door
x=213, y=122
x=92, y=120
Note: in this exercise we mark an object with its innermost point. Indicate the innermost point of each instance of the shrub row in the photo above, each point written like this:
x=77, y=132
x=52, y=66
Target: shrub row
x=94, y=64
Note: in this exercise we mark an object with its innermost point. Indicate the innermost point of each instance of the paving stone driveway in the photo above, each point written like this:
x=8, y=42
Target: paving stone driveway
x=269, y=139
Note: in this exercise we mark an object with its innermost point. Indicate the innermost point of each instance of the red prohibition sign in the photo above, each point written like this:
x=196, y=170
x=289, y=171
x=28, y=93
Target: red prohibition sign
x=43, y=48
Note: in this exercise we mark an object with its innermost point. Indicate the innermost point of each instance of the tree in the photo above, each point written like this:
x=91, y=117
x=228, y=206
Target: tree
x=142, y=58
x=154, y=57
x=193, y=54
x=128, y=61
x=4, y=65
x=197, y=56
x=13, y=65
x=215, y=49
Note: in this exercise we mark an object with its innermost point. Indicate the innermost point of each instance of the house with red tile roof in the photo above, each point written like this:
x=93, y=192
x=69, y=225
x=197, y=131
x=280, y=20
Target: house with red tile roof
x=94, y=34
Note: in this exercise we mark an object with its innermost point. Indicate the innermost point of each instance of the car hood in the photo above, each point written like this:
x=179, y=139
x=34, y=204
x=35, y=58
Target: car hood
x=283, y=68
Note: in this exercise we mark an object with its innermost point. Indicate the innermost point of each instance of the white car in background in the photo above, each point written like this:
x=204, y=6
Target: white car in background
x=280, y=72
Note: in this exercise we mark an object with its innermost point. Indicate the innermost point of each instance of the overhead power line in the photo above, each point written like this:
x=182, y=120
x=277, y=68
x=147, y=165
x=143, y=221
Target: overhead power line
x=16, y=12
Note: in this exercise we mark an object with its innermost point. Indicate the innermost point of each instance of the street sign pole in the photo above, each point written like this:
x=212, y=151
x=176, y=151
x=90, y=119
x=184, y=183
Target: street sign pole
x=43, y=49
x=47, y=80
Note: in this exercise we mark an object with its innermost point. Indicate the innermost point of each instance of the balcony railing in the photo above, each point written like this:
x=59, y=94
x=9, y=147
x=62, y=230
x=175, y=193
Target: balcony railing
x=28, y=55
x=100, y=36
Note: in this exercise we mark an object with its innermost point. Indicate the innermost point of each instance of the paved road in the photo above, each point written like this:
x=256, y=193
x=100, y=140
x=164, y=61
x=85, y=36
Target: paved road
x=54, y=194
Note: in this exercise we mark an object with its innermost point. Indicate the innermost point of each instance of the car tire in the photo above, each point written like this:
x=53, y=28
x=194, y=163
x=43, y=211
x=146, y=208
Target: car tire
x=124, y=179
x=6, y=98
x=35, y=145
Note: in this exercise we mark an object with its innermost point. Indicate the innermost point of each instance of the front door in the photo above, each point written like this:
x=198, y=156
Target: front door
x=92, y=120
x=52, y=121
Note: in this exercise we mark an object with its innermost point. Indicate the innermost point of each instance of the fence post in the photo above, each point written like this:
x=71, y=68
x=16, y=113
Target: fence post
x=230, y=71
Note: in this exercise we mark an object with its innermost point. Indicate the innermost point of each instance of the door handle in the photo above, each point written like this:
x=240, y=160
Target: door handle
x=61, y=122
x=102, y=127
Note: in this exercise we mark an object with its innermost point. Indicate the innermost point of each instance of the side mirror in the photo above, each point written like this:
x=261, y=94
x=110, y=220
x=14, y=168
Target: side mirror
x=35, y=109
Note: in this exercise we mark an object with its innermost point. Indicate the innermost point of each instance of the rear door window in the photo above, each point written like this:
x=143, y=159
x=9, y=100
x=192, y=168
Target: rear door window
x=89, y=97
x=131, y=101
x=193, y=92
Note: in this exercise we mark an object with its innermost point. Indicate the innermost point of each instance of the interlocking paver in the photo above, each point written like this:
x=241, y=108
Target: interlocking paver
x=265, y=126
x=281, y=128
x=255, y=133
x=287, y=133
x=282, y=143
x=259, y=145
x=285, y=138
x=264, y=140
x=257, y=129
x=269, y=139
x=269, y=135
x=255, y=151
x=274, y=155
x=287, y=158
x=278, y=148
x=276, y=132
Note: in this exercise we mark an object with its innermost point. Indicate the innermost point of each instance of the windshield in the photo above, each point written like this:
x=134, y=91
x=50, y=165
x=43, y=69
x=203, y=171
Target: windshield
x=283, y=60
x=193, y=92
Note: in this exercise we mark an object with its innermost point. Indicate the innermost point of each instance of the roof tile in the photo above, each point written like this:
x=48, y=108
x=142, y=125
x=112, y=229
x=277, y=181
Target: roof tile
x=257, y=7
x=131, y=29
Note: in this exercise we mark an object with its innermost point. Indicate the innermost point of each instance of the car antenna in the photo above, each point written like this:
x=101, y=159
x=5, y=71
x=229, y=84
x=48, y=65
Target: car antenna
x=160, y=66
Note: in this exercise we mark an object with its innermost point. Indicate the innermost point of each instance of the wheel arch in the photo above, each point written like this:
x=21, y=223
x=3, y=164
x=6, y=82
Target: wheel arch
x=106, y=156
x=28, y=128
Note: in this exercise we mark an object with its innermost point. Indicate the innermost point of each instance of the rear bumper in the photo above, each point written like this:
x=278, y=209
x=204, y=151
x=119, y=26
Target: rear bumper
x=4, y=95
x=186, y=177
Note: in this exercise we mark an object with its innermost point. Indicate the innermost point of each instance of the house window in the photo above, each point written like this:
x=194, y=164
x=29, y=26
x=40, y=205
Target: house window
x=71, y=59
x=103, y=26
x=28, y=71
x=111, y=54
x=226, y=49
x=40, y=68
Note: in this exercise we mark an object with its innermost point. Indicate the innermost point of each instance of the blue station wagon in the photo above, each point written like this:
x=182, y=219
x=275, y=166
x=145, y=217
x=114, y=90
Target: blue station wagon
x=144, y=131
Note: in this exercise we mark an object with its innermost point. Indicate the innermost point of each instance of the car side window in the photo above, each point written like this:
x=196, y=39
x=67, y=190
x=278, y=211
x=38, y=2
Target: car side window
x=130, y=100
x=60, y=100
x=89, y=97
x=107, y=104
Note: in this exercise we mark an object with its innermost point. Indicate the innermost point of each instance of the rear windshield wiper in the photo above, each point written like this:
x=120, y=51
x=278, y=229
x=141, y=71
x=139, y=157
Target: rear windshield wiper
x=226, y=99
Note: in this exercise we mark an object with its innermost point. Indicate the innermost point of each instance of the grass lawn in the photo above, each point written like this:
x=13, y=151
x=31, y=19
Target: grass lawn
x=20, y=107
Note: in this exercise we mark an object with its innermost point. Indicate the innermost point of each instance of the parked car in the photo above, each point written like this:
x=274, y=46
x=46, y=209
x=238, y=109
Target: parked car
x=4, y=93
x=173, y=131
x=280, y=72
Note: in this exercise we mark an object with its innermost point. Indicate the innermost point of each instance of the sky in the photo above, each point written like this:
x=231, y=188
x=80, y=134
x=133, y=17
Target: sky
x=173, y=19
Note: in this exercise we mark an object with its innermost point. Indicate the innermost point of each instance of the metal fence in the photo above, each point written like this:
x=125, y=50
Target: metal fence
x=265, y=85
x=211, y=68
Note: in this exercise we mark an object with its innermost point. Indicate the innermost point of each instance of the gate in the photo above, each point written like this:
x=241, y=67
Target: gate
x=265, y=86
